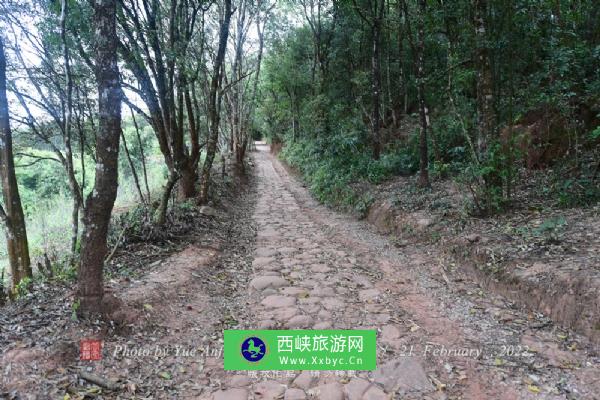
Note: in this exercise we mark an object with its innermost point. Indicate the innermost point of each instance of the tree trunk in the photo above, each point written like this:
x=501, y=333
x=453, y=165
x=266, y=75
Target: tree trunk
x=136, y=180
x=376, y=80
x=187, y=182
x=142, y=155
x=16, y=233
x=67, y=121
x=100, y=202
x=485, y=96
x=423, y=111
x=399, y=97
x=74, y=228
x=240, y=153
x=214, y=103
x=161, y=213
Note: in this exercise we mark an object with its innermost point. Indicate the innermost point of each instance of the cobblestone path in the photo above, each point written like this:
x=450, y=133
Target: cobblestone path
x=315, y=269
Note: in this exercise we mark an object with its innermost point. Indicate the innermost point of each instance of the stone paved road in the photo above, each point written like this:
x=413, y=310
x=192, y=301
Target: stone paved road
x=316, y=269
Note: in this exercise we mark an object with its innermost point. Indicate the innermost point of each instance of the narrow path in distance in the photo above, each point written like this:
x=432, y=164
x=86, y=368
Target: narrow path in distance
x=437, y=338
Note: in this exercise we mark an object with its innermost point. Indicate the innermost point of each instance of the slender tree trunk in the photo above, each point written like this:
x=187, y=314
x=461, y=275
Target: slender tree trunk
x=161, y=213
x=68, y=123
x=142, y=155
x=485, y=95
x=74, y=228
x=136, y=179
x=376, y=80
x=100, y=202
x=14, y=219
x=486, y=126
x=261, y=45
x=401, y=103
x=423, y=111
x=214, y=103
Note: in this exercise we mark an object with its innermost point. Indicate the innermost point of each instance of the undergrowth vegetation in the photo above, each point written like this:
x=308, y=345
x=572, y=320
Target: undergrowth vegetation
x=330, y=166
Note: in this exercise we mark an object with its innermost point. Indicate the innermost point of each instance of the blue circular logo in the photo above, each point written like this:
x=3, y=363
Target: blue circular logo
x=253, y=349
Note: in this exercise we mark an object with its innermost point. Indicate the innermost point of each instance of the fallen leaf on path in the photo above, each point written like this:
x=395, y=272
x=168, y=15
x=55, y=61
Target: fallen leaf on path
x=164, y=375
x=533, y=389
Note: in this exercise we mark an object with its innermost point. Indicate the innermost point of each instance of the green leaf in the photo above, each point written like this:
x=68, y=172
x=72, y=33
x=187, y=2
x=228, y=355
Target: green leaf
x=165, y=375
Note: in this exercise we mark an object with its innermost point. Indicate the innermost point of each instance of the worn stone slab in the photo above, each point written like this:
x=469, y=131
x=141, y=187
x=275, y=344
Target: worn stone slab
x=231, y=394
x=390, y=334
x=375, y=393
x=268, y=390
x=299, y=321
x=267, y=324
x=331, y=303
x=239, y=381
x=294, y=394
x=330, y=391
x=403, y=373
x=268, y=281
x=323, y=268
x=293, y=291
x=277, y=301
x=368, y=294
x=262, y=261
x=322, y=292
x=305, y=380
x=355, y=389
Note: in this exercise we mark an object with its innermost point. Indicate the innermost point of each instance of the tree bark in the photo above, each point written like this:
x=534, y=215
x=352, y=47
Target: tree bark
x=74, y=229
x=134, y=173
x=214, y=103
x=374, y=18
x=14, y=219
x=161, y=213
x=142, y=155
x=376, y=79
x=187, y=182
x=485, y=96
x=423, y=111
x=68, y=123
x=486, y=125
x=100, y=202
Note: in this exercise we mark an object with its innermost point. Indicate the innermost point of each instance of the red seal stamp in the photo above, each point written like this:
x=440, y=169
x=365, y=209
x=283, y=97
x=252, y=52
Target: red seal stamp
x=90, y=350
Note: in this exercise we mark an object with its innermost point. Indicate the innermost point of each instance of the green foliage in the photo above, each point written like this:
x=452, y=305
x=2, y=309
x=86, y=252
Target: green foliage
x=331, y=165
x=39, y=181
x=23, y=288
x=550, y=226
x=487, y=180
x=64, y=271
x=573, y=192
x=319, y=105
x=549, y=230
x=135, y=221
x=74, y=309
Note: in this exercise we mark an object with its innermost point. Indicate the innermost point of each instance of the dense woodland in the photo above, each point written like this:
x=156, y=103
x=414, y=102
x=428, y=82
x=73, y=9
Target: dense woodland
x=134, y=101
x=474, y=90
